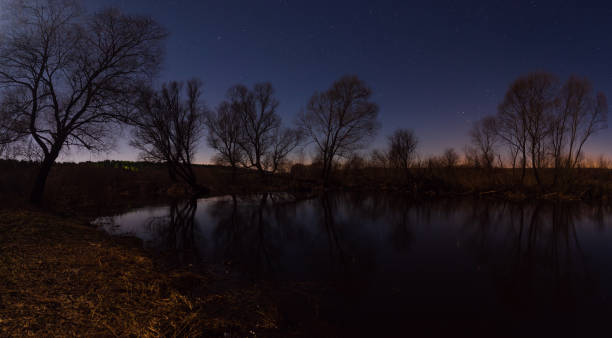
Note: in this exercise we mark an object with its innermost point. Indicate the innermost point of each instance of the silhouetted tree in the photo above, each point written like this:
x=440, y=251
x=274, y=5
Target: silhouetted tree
x=471, y=156
x=541, y=120
x=7, y=134
x=246, y=129
x=10, y=130
x=402, y=148
x=484, y=139
x=73, y=74
x=379, y=159
x=168, y=128
x=259, y=122
x=3, y=146
x=354, y=162
x=284, y=142
x=511, y=127
x=224, y=133
x=450, y=158
x=526, y=112
x=340, y=120
x=578, y=115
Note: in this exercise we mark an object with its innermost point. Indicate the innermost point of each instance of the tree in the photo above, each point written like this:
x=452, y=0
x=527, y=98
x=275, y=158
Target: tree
x=224, y=134
x=379, y=159
x=354, y=163
x=512, y=129
x=542, y=120
x=578, y=115
x=484, y=139
x=73, y=74
x=8, y=129
x=340, y=120
x=472, y=157
x=525, y=114
x=246, y=129
x=283, y=143
x=168, y=128
x=450, y=158
x=258, y=120
x=402, y=149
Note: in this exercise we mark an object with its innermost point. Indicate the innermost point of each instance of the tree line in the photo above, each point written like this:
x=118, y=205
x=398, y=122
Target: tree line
x=72, y=79
x=541, y=123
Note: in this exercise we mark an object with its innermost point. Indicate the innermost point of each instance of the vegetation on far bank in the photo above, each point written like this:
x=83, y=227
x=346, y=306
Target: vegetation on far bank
x=100, y=188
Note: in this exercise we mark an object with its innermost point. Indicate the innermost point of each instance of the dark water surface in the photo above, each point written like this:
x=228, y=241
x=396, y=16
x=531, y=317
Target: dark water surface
x=385, y=265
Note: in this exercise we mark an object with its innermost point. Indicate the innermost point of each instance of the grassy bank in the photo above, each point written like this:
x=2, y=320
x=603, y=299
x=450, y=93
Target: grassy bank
x=61, y=277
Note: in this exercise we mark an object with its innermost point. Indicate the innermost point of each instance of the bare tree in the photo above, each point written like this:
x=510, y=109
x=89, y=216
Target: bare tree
x=8, y=133
x=512, y=129
x=224, y=134
x=450, y=158
x=602, y=162
x=340, y=120
x=578, y=115
x=168, y=128
x=283, y=143
x=247, y=130
x=379, y=159
x=484, y=139
x=402, y=149
x=547, y=123
x=3, y=147
x=259, y=122
x=525, y=114
x=354, y=162
x=73, y=74
x=471, y=157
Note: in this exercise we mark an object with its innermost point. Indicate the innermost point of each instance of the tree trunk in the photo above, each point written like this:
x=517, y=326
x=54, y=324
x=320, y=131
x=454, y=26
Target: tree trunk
x=324, y=174
x=534, y=164
x=233, y=173
x=38, y=190
x=523, y=167
x=327, y=172
x=171, y=172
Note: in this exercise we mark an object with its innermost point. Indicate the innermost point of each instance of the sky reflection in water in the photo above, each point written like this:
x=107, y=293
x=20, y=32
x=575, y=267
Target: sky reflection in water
x=387, y=263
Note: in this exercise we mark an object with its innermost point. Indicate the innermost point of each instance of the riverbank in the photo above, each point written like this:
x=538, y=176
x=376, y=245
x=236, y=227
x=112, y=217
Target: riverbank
x=61, y=277
x=102, y=188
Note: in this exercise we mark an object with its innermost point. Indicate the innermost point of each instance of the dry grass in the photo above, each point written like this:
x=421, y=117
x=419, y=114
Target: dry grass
x=63, y=278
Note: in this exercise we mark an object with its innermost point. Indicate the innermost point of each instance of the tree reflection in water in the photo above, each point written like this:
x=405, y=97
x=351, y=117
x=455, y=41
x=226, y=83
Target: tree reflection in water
x=247, y=232
x=485, y=262
x=536, y=259
x=176, y=234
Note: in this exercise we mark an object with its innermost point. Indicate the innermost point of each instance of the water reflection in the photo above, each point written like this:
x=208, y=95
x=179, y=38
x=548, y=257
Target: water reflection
x=177, y=233
x=478, y=264
x=246, y=233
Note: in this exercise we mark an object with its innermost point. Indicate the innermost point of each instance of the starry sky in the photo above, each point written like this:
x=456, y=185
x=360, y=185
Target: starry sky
x=434, y=66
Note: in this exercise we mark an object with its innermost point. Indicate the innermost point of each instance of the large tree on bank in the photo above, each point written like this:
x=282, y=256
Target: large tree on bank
x=71, y=76
x=340, y=120
x=168, y=124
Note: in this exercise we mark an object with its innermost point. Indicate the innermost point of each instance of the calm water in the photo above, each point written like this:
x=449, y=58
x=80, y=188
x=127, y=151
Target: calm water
x=385, y=265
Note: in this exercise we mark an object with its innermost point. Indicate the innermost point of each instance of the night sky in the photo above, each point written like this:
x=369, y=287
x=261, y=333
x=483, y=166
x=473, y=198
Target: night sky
x=433, y=66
